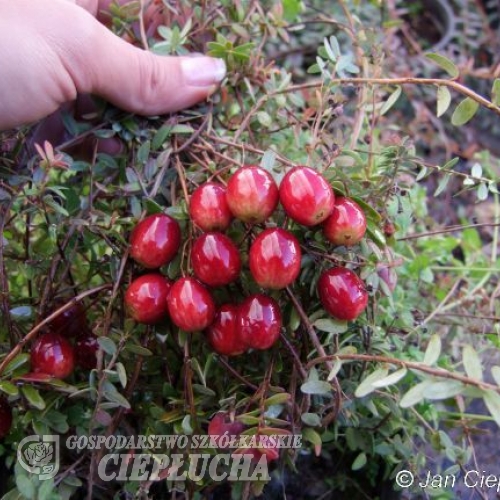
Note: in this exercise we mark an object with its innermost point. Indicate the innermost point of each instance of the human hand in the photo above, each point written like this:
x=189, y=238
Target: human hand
x=52, y=50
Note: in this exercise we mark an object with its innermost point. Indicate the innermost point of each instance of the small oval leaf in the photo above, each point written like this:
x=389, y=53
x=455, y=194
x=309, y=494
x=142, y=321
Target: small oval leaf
x=472, y=363
x=433, y=350
x=444, y=63
x=443, y=100
x=464, y=112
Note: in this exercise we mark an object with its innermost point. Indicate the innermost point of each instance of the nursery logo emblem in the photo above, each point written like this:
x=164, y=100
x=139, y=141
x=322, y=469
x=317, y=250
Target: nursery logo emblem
x=39, y=455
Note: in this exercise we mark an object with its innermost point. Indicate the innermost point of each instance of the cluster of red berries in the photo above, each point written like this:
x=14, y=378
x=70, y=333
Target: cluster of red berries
x=274, y=258
x=53, y=354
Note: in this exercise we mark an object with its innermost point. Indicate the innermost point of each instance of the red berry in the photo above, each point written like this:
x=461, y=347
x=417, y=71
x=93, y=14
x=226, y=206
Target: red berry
x=215, y=259
x=70, y=323
x=252, y=194
x=52, y=355
x=342, y=293
x=306, y=196
x=259, y=321
x=347, y=224
x=223, y=334
x=221, y=424
x=155, y=241
x=146, y=298
x=190, y=304
x=5, y=417
x=274, y=258
x=86, y=347
x=208, y=207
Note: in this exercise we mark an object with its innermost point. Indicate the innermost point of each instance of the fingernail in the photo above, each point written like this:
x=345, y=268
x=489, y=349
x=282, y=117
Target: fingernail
x=203, y=71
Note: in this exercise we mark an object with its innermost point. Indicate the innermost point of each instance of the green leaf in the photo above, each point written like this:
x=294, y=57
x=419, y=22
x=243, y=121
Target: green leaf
x=45, y=490
x=107, y=345
x=337, y=365
x=391, y=100
x=443, y=100
x=317, y=387
x=476, y=170
x=312, y=436
x=495, y=92
x=277, y=399
x=291, y=9
x=433, y=350
x=138, y=349
x=391, y=379
x=464, y=112
x=33, y=397
x=8, y=388
x=26, y=487
x=443, y=389
x=444, y=63
x=415, y=395
x=366, y=387
x=472, y=363
x=122, y=374
x=492, y=402
x=442, y=184
x=311, y=419
x=482, y=191
x=359, y=461
x=330, y=325
x=115, y=397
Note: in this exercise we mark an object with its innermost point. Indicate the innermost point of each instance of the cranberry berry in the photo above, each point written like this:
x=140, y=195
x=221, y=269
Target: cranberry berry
x=155, y=241
x=306, y=196
x=5, y=417
x=208, y=207
x=52, y=354
x=223, y=334
x=259, y=321
x=347, y=224
x=146, y=298
x=190, y=304
x=215, y=259
x=71, y=322
x=274, y=258
x=252, y=194
x=221, y=425
x=342, y=293
x=86, y=347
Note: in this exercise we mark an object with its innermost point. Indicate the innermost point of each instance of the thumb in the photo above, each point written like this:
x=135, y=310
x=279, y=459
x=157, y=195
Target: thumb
x=142, y=82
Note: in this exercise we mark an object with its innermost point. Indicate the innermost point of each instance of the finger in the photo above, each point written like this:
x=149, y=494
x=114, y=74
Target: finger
x=140, y=81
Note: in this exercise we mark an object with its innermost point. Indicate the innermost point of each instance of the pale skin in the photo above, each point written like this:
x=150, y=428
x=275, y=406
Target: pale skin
x=53, y=50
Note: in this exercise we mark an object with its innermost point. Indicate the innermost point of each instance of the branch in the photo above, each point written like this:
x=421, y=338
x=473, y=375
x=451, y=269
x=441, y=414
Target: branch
x=461, y=89
x=436, y=372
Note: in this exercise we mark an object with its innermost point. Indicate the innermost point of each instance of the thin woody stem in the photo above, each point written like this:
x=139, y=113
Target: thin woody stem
x=437, y=372
x=461, y=89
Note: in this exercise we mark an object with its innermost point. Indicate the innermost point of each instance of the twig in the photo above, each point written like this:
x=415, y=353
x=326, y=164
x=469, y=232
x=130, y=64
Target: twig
x=461, y=89
x=412, y=365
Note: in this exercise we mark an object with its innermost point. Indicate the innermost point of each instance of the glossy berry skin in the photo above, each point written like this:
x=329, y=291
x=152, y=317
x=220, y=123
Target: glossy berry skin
x=223, y=334
x=342, y=293
x=274, y=258
x=221, y=424
x=215, y=259
x=347, y=224
x=191, y=305
x=306, y=196
x=86, y=347
x=252, y=194
x=70, y=323
x=146, y=298
x=155, y=241
x=208, y=207
x=52, y=355
x=259, y=321
x=5, y=417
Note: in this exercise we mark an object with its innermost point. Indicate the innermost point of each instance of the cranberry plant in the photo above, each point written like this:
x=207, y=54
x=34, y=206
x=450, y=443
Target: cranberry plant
x=302, y=284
